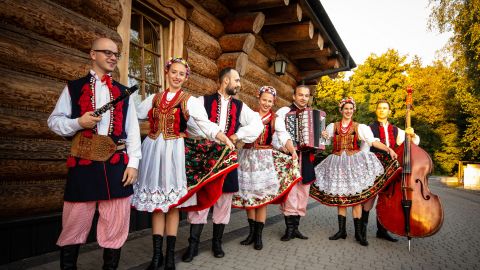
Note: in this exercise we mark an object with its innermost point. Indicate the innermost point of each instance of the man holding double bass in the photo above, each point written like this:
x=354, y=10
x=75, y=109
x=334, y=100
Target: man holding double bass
x=391, y=136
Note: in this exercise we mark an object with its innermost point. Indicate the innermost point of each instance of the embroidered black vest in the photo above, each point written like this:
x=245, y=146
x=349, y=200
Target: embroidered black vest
x=98, y=180
x=375, y=127
x=213, y=107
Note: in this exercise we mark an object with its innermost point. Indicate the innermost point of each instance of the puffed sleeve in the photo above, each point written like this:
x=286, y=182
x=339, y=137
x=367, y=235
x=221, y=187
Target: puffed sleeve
x=365, y=134
x=59, y=121
x=144, y=107
x=252, y=125
x=199, y=115
x=281, y=132
x=329, y=130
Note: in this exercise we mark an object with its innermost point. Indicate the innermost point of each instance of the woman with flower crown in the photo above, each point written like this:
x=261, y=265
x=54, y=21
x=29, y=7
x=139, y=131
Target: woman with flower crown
x=349, y=176
x=162, y=183
x=265, y=175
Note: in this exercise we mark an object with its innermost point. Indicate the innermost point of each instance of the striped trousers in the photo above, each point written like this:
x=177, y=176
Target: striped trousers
x=112, y=226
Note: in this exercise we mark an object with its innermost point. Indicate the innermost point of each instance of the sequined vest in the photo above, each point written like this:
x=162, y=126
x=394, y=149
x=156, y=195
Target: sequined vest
x=264, y=141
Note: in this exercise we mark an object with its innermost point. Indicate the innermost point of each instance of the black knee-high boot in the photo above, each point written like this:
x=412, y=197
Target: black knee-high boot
x=290, y=227
x=68, y=257
x=364, y=220
x=249, y=239
x=258, y=245
x=217, y=240
x=157, y=258
x=193, y=241
x=170, y=253
x=296, y=232
x=342, y=231
x=358, y=232
x=111, y=257
x=382, y=233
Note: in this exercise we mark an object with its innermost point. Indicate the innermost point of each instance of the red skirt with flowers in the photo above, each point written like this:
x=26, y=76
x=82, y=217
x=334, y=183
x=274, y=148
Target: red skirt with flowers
x=207, y=163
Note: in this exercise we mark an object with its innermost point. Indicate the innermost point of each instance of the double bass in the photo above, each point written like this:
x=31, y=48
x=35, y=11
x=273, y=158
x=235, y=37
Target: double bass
x=407, y=207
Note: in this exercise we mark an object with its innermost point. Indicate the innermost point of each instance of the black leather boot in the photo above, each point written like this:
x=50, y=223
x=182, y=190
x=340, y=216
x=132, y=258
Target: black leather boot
x=258, y=245
x=249, y=239
x=193, y=241
x=217, y=240
x=157, y=258
x=296, y=232
x=68, y=257
x=111, y=257
x=290, y=226
x=382, y=233
x=170, y=253
x=342, y=231
x=358, y=232
x=364, y=220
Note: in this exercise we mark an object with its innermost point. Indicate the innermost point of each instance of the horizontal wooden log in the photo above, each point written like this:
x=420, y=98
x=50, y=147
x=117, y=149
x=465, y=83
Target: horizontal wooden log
x=260, y=77
x=201, y=64
x=329, y=63
x=263, y=62
x=289, y=32
x=201, y=41
x=199, y=85
x=20, y=123
x=205, y=20
x=237, y=43
x=310, y=54
x=257, y=4
x=20, y=148
x=30, y=52
x=56, y=22
x=108, y=12
x=316, y=43
x=28, y=92
x=249, y=93
x=215, y=7
x=251, y=22
x=15, y=169
x=237, y=60
x=280, y=15
x=271, y=54
x=30, y=197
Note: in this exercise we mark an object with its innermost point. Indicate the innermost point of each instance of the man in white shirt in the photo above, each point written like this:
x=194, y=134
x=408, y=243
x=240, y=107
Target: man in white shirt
x=240, y=123
x=392, y=137
x=97, y=175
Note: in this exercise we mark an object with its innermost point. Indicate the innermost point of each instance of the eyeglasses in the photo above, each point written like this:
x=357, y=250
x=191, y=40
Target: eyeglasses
x=109, y=53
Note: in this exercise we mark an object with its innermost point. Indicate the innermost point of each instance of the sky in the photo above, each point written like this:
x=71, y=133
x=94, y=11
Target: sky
x=374, y=26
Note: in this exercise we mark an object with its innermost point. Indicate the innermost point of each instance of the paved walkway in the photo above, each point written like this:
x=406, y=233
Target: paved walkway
x=456, y=246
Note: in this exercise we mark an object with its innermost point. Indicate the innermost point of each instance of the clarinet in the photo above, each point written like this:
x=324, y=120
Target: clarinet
x=112, y=103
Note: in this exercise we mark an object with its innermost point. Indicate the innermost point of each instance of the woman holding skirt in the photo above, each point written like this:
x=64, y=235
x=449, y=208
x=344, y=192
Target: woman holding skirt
x=162, y=183
x=265, y=175
x=349, y=176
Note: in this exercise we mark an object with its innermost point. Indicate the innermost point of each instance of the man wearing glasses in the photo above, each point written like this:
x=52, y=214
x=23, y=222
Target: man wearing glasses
x=105, y=155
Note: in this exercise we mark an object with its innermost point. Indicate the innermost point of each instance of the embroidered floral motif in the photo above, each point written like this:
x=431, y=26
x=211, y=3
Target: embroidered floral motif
x=263, y=185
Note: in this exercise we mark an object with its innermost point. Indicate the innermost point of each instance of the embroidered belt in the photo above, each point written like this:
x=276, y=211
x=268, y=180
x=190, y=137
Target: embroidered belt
x=96, y=148
x=256, y=146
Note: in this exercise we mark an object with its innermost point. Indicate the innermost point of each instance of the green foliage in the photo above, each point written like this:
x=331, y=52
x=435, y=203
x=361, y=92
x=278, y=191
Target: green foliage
x=463, y=18
x=435, y=114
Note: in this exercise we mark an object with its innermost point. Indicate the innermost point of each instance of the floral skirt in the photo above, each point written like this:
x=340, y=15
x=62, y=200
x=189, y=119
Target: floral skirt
x=207, y=164
x=172, y=172
x=343, y=180
x=265, y=176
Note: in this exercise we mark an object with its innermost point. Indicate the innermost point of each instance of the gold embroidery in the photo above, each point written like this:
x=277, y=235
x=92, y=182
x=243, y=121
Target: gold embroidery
x=165, y=119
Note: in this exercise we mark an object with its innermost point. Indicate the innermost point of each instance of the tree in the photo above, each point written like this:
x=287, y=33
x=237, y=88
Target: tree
x=463, y=18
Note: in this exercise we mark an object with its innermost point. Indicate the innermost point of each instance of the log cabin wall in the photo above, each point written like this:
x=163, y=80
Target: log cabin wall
x=44, y=43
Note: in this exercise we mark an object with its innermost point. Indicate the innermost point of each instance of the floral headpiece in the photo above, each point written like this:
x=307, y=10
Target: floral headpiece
x=180, y=60
x=267, y=89
x=345, y=101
